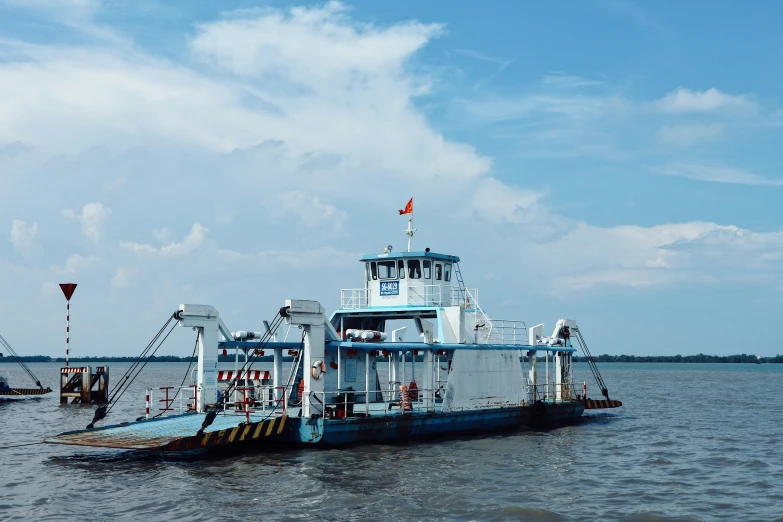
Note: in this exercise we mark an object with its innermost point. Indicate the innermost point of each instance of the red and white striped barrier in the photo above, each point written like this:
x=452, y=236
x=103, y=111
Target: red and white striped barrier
x=73, y=370
x=254, y=375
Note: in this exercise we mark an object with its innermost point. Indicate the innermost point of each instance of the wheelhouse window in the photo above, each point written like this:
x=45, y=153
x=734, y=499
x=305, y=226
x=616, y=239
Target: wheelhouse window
x=427, y=269
x=438, y=271
x=401, y=268
x=447, y=272
x=373, y=271
x=387, y=269
x=414, y=269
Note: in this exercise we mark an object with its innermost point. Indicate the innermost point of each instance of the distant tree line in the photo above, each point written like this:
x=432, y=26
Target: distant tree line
x=99, y=359
x=700, y=358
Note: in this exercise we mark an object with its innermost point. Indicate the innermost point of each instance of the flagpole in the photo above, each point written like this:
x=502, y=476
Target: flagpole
x=410, y=230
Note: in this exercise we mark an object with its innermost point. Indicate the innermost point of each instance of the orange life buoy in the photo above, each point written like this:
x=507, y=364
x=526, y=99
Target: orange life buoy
x=318, y=369
x=301, y=389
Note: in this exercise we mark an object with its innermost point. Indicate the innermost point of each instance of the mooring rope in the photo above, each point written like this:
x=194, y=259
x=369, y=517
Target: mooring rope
x=21, y=445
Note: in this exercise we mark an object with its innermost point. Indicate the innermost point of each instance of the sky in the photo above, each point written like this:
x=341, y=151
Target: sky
x=608, y=161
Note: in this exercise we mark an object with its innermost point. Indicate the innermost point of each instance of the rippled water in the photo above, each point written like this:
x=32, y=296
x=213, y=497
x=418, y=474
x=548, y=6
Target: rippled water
x=693, y=442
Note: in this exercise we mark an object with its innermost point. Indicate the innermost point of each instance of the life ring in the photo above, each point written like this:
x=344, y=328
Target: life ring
x=318, y=369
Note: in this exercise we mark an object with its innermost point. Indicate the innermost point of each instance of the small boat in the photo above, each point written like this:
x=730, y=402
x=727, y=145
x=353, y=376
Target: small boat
x=357, y=376
x=6, y=391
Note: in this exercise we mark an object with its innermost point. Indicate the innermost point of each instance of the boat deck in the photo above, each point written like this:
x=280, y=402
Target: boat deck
x=176, y=432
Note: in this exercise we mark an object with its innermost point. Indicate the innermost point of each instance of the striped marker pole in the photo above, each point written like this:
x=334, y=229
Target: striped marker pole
x=68, y=290
x=147, y=405
x=67, y=331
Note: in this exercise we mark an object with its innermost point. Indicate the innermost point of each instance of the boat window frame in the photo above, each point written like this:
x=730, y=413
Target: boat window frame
x=447, y=272
x=401, y=268
x=391, y=269
x=438, y=272
x=414, y=266
x=426, y=268
x=374, y=271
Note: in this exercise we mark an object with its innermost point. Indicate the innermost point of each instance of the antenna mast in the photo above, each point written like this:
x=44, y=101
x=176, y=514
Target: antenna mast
x=410, y=230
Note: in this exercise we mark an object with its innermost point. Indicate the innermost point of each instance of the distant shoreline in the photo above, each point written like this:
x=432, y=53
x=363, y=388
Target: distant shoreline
x=700, y=358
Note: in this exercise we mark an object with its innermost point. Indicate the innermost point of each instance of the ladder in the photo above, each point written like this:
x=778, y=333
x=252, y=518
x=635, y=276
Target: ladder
x=476, y=308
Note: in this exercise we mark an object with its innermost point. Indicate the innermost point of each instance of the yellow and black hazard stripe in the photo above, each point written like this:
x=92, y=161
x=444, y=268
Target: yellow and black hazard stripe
x=241, y=433
x=593, y=404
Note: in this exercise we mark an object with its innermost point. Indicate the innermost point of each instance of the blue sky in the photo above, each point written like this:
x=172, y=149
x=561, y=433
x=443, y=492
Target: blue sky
x=609, y=161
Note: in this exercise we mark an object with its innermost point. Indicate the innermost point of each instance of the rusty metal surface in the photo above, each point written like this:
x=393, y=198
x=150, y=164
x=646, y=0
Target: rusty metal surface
x=176, y=433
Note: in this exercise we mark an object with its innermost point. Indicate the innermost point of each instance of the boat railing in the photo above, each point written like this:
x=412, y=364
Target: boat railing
x=418, y=295
x=344, y=403
x=442, y=295
x=502, y=331
x=169, y=399
x=552, y=392
x=353, y=298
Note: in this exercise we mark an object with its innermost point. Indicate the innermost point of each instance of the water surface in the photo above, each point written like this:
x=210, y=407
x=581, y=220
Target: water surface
x=692, y=442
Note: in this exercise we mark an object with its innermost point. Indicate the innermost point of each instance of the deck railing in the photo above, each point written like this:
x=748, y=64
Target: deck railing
x=549, y=392
x=353, y=298
x=418, y=295
x=502, y=331
x=359, y=403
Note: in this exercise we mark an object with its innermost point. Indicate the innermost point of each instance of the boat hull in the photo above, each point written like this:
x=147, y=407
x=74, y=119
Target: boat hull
x=335, y=432
x=179, y=433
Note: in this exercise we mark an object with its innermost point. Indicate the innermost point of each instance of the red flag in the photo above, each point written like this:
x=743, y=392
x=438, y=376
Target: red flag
x=408, y=208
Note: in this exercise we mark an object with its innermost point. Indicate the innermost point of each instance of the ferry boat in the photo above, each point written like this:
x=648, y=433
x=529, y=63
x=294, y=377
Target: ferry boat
x=360, y=376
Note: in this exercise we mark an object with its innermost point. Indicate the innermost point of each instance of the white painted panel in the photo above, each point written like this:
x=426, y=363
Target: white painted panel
x=482, y=379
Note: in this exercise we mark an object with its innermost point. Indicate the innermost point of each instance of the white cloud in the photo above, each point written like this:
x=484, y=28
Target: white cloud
x=309, y=78
x=711, y=100
x=311, y=211
x=634, y=256
x=498, y=202
x=566, y=81
x=76, y=263
x=122, y=278
x=687, y=135
x=716, y=174
x=162, y=235
x=190, y=243
x=92, y=217
x=318, y=47
x=23, y=235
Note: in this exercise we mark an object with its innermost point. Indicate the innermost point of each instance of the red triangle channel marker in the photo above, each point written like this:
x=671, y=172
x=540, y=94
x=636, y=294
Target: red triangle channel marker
x=68, y=290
